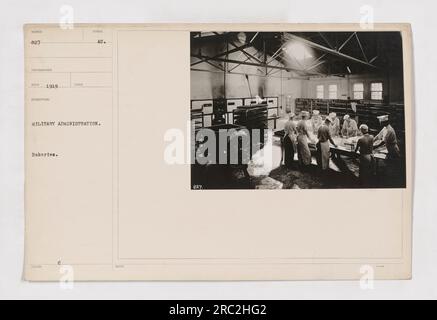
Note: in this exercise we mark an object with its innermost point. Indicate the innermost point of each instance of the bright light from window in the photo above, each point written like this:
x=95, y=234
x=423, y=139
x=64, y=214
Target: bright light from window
x=320, y=91
x=332, y=91
x=299, y=51
x=358, y=89
x=376, y=90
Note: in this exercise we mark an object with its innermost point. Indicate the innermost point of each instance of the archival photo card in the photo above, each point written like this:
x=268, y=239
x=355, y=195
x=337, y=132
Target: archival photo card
x=218, y=152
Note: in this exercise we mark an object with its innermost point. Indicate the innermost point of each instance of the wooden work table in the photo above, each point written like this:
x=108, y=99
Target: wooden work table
x=346, y=147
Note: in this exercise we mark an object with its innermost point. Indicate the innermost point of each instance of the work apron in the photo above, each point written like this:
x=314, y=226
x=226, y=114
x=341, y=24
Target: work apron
x=289, y=147
x=367, y=165
x=303, y=150
x=323, y=154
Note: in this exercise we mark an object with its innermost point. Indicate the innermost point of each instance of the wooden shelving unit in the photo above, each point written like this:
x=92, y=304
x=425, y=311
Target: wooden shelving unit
x=367, y=110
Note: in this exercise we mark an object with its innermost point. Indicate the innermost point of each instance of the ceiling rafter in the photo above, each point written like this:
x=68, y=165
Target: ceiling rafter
x=277, y=60
x=247, y=54
x=227, y=52
x=346, y=41
x=261, y=65
x=334, y=52
x=326, y=40
x=252, y=74
x=361, y=47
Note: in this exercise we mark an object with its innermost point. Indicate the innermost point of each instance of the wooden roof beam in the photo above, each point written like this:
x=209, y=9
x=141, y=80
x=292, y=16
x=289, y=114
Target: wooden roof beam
x=289, y=36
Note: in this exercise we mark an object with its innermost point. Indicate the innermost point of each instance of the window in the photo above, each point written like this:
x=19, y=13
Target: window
x=358, y=91
x=376, y=91
x=320, y=92
x=332, y=91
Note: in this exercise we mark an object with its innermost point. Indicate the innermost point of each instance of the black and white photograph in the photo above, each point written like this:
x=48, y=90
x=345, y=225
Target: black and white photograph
x=297, y=110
